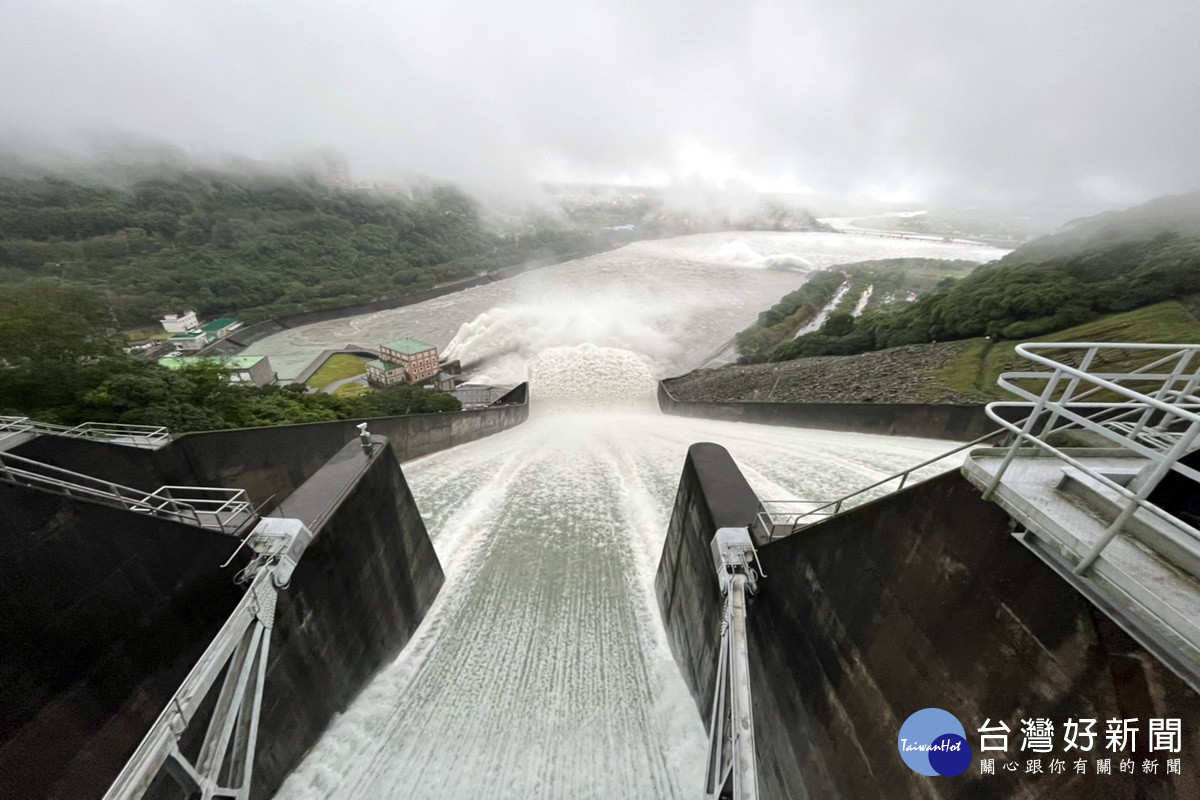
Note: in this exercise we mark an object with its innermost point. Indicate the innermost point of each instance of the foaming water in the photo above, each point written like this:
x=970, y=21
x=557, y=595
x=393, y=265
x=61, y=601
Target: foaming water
x=542, y=669
x=587, y=377
x=673, y=301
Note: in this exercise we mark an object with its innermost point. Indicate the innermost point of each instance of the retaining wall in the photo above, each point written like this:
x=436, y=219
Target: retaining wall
x=356, y=597
x=102, y=614
x=921, y=599
x=106, y=611
x=712, y=494
x=930, y=421
x=268, y=462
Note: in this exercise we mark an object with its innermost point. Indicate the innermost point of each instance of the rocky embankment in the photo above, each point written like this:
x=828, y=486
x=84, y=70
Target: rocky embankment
x=906, y=374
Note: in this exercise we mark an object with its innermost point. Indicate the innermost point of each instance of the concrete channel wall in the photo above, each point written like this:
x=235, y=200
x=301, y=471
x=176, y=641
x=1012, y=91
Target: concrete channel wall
x=354, y=601
x=931, y=421
x=269, y=462
x=712, y=494
x=920, y=599
x=104, y=611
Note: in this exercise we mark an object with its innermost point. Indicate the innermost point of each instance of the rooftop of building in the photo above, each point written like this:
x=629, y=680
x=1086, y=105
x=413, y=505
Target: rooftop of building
x=228, y=362
x=409, y=347
x=381, y=364
x=218, y=324
x=188, y=335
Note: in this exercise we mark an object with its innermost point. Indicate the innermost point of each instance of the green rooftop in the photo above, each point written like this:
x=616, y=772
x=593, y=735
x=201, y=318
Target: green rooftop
x=218, y=324
x=409, y=347
x=188, y=335
x=228, y=362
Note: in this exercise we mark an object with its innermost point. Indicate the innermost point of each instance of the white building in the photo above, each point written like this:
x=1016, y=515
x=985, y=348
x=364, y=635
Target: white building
x=180, y=323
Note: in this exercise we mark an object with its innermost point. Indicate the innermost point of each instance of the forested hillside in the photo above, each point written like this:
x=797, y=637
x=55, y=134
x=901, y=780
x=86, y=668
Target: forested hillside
x=1111, y=263
x=254, y=245
x=61, y=361
x=889, y=281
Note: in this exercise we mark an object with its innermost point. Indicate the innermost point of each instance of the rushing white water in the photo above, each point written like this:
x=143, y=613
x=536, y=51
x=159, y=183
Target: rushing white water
x=542, y=669
x=863, y=299
x=816, y=322
x=672, y=301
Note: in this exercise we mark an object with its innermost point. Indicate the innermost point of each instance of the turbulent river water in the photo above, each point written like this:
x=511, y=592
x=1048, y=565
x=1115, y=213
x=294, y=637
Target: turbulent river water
x=542, y=670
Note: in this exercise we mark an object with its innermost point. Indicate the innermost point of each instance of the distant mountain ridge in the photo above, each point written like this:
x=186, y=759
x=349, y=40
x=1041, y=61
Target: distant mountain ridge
x=1110, y=263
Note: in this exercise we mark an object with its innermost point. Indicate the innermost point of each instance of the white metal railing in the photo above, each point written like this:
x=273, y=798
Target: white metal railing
x=224, y=766
x=225, y=510
x=1156, y=417
x=114, y=432
x=793, y=515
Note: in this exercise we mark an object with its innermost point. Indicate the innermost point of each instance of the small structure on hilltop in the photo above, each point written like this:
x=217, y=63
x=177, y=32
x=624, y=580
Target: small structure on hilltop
x=238, y=369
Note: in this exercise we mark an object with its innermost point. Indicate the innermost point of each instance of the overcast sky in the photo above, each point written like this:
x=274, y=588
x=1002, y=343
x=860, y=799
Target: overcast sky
x=1096, y=100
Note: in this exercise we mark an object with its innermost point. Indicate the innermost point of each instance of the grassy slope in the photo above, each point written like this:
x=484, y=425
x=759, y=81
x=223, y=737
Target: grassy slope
x=337, y=367
x=976, y=369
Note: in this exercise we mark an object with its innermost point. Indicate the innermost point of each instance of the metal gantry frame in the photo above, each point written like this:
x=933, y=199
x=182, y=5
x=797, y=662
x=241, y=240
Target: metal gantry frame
x=732, y=763
x=1156, y=417
x=224, y=766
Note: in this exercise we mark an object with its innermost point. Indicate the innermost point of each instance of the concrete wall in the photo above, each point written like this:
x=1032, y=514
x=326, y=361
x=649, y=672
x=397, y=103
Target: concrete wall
x=712, y=494
x=270, y=461
x=959, y=423
x=925, y=599
x=104, y=611
x=357, y=596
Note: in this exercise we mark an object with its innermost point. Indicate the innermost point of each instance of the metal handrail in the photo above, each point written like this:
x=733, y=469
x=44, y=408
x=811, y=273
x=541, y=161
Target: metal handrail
x=840, y=502
x=227, y=512
x=116, y=432
x=1162, y=451
x=1026, y=350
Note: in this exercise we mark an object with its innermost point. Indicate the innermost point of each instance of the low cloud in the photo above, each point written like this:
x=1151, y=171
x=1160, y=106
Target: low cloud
x=1020, y=101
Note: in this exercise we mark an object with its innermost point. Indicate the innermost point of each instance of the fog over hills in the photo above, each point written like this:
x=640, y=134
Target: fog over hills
x=1069, y=106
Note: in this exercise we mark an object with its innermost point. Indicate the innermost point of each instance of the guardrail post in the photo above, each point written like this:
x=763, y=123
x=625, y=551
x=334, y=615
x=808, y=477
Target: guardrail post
x=1184, y=357
x=1148, y=485
x=1030, y=424
x=1072, y=385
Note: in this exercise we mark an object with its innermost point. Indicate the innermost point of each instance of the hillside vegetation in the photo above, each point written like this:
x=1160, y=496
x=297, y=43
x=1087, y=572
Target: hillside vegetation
x=63, y=362
x=948, y=372
x=257, y=245
x=1111, y=263
x=770, y=338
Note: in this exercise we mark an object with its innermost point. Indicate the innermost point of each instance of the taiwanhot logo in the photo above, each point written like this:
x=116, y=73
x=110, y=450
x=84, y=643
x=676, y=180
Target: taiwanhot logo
x=933, y=742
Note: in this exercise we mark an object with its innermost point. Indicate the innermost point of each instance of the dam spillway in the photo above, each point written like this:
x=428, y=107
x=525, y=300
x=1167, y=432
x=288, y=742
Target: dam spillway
x=542, y=669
